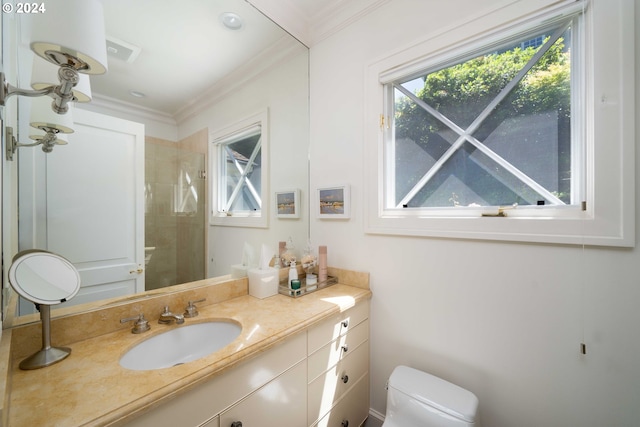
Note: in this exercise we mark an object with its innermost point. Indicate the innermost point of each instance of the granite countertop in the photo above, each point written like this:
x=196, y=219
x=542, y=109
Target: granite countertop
x=91, y=388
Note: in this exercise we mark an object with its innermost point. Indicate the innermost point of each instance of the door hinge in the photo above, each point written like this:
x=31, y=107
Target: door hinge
x=202, y=174
x=384, y=120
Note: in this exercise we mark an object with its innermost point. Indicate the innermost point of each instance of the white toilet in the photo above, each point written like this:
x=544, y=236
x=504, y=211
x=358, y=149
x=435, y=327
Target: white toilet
x=418, y=399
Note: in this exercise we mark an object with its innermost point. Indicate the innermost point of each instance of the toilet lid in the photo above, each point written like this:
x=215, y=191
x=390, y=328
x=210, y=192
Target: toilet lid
x=435, y=392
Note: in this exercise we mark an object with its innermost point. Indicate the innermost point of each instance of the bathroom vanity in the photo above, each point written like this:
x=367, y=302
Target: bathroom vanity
x=297, y=362
x=296, y=383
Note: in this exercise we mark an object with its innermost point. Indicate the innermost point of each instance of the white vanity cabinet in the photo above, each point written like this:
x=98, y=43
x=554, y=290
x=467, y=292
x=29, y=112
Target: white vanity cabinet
x=338, y=369
x=319, y=377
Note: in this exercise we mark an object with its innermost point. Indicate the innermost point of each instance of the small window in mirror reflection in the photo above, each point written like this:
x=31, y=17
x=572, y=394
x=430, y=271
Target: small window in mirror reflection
x=240, y=171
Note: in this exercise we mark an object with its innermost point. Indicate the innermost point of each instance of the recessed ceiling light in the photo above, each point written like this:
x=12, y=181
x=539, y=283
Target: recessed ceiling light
x=137, y=94
x=231, y=20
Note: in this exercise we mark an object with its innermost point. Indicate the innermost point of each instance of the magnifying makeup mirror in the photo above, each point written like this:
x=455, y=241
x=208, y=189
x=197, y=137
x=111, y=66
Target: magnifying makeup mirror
x=45, y=279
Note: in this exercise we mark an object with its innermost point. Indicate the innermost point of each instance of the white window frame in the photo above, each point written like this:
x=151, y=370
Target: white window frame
x=608, y=219
x=219, y=216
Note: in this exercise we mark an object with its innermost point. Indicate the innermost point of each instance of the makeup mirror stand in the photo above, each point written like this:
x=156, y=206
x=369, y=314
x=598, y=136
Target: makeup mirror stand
x=47, y=355
x=45, y=279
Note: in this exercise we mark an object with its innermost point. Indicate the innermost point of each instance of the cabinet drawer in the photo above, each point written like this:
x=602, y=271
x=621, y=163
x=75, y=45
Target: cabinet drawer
x=352, y=410
x=280, y=403
x=336, y=326
x=328, y=388
x=332, y=353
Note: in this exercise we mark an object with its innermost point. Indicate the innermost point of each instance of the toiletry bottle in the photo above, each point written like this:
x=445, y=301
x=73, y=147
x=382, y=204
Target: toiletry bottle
x=322, y=264
x=293, y=272
x=294, y=283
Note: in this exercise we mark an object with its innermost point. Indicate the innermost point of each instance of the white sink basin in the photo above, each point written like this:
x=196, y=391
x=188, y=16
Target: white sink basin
x=180, y=345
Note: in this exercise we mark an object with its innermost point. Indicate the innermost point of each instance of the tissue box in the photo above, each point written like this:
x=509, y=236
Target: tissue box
x=263, y=283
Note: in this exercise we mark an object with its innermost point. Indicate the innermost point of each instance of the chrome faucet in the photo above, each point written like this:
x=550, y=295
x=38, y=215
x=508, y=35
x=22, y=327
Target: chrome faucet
x=168, y=317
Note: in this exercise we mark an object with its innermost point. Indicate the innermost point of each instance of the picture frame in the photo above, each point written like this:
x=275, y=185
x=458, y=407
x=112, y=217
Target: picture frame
x=287, y=203
x=333, y=202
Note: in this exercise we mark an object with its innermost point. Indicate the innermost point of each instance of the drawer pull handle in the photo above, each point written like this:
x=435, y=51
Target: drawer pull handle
x=345, y=323
x=345, y=378
x=236, y=424
x=345, y=423
x=345, y=348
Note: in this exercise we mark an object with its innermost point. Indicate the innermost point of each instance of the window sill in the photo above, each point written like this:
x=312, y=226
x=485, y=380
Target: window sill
x=508, y=228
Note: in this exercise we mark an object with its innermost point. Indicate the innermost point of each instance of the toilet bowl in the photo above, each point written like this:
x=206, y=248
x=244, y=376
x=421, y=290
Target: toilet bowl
x=419, y=399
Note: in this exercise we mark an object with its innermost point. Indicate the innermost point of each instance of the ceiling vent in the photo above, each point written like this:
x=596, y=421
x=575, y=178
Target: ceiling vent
x=122, y=50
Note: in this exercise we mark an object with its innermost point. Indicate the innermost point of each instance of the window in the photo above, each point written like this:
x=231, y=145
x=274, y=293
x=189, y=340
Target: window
x=509, y=126
x=239, y=162
x=493, y=130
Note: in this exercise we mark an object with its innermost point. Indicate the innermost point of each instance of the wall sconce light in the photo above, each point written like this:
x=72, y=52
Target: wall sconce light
x=43, y=74
x=46, y=120
x=70, y=35
x=48, y=141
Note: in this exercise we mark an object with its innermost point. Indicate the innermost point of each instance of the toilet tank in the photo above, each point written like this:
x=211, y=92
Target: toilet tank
x=419, y=399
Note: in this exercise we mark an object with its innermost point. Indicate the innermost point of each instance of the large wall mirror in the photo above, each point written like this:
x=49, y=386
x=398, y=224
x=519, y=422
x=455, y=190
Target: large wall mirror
x=127, y=200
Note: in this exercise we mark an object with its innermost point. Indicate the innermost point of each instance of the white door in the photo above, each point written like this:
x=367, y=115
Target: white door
x=92, y=209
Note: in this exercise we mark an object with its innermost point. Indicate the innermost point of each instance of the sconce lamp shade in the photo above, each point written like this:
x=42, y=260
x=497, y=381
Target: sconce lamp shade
x=43, y=117
x=45, y=74
x=71, y=33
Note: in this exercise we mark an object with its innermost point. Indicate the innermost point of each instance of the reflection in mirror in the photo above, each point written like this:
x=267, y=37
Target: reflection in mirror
x=176, y=77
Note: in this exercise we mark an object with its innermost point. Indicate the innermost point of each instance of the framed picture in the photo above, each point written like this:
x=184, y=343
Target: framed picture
x=288, y=204
x=333, y=202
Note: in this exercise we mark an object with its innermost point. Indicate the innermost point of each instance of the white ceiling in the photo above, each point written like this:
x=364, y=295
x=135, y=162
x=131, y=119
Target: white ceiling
x=185, y=51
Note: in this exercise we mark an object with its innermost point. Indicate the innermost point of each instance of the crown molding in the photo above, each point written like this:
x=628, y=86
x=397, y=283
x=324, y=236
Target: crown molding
x=107, y=103
x=338, y=15
x=334, y=16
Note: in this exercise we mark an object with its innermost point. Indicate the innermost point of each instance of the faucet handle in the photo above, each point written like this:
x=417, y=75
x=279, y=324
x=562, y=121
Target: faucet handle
x=192, y=310
x=141, y=325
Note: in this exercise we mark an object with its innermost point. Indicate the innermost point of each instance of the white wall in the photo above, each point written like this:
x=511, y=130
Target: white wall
x=284, y=90
x=504, y=320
